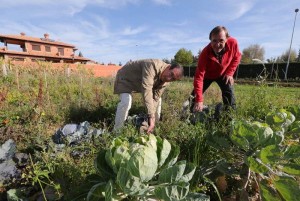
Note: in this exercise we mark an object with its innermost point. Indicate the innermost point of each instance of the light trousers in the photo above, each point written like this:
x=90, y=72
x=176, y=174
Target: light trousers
x=123, y=109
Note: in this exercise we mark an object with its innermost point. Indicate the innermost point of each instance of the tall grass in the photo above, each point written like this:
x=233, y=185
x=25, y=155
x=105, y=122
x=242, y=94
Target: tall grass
x=36, y=101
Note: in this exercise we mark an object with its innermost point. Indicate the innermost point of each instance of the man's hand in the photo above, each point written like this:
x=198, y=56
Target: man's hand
x=151, y=122
x=198, y=107
x=229, y=79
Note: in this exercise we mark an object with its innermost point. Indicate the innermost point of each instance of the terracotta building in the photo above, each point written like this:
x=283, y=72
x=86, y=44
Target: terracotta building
x=26, y=48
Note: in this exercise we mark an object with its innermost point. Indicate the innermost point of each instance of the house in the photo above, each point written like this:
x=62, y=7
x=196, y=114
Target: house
x=26, y=48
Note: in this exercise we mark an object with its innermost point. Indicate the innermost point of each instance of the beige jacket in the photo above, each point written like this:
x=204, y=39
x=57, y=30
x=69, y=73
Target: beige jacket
x=142, y=76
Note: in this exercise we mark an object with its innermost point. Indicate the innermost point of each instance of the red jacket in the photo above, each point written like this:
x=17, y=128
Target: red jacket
x=210, y=68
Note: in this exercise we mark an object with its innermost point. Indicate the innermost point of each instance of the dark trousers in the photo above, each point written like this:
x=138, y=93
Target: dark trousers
x=227, y=91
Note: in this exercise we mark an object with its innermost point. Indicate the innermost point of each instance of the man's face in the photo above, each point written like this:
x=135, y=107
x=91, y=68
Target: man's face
x=218, y=41
x=170, y=75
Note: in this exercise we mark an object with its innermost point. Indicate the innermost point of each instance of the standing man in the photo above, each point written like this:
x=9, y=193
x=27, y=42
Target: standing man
x=217, y=62
x=148, y=77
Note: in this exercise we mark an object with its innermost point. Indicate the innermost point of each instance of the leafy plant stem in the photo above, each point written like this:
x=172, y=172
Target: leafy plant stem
x=247, y=179
x=214, y=186
x=257, y=184
x=33, y=166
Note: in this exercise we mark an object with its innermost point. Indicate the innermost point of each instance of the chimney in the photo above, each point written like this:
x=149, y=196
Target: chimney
x=46, y=36
x=22, y=34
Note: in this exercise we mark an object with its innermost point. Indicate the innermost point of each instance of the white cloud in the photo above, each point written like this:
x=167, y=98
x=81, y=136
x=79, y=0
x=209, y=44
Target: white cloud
x=162, y=2
x=114, y=30
x=40, y=9
x=175, y=36
x=73, y=6
x=228, y=10
x=130, y=31
x=181, y=23
x=113, y=4
x=242, y=8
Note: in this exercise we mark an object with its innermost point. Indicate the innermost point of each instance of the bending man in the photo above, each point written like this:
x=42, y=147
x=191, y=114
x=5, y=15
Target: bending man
x=148, y=77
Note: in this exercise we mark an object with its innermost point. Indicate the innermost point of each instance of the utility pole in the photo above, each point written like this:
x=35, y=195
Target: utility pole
x=288, y=61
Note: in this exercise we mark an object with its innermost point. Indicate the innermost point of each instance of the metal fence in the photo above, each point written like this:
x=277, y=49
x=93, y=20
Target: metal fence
x=270, y=70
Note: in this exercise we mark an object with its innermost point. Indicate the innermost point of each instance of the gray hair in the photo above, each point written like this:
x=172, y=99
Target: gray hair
x=217, y=30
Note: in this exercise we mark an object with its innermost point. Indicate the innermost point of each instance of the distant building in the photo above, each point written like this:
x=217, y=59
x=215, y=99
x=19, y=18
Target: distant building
x=26, y=48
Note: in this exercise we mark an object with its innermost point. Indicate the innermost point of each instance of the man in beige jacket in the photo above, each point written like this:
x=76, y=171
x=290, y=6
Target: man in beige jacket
x=148, y=77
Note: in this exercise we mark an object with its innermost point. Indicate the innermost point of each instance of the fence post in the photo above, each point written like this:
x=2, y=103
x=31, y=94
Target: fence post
x=17, y=78
x=4, y=69
x=272, y=70
x=237, y=72
x=68, y=71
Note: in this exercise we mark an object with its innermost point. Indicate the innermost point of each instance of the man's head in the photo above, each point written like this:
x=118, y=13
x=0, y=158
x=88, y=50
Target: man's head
x=218, y=37
x=172, y=73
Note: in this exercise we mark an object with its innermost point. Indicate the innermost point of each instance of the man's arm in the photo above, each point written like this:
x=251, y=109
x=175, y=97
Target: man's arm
x=199, y=77
x=148, y=77
x=236, y=58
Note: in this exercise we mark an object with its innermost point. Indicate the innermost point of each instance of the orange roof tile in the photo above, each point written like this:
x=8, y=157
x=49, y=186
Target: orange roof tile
x=35, y=39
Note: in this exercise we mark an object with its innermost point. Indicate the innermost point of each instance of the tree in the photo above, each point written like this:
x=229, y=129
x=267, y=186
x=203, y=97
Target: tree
x=271, y=60
x=285, y=56
x=166, y=60
x=184, y=57
x=253, y=52
x=80, y=54
x=298, y=58
x=196, y=57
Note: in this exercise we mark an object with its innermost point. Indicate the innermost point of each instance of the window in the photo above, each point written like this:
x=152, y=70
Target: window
x=48, y=48
x=60, y=51
x=18, y=59
x=36, y=47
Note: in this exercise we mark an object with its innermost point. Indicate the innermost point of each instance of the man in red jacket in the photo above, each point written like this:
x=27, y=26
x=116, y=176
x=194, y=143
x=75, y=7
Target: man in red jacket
x=217, y=62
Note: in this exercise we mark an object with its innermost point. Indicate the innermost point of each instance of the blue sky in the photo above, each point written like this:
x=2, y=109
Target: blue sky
x=119, y=30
